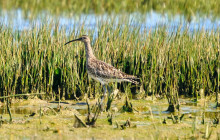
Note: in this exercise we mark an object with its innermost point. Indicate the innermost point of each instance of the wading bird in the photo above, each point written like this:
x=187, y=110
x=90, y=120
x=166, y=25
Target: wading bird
x=101, y=71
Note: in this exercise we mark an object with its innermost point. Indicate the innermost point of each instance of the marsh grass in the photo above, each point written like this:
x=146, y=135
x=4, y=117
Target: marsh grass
x=187, y=8
x=168, y=64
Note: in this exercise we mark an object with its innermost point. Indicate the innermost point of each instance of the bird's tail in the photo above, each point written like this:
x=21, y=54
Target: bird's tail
x=133, y=80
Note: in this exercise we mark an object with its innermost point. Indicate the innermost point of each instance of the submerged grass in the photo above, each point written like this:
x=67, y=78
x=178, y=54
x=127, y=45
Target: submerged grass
x=168, y=64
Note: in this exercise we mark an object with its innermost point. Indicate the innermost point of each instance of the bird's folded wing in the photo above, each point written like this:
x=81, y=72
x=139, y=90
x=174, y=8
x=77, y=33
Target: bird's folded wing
x=102, y=69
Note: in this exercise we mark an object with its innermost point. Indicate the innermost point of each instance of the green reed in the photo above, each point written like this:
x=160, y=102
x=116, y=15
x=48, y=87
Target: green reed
x=168, y=64
x=188, y=8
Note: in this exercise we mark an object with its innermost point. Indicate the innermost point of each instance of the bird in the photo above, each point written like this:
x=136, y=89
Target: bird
x=101, y=71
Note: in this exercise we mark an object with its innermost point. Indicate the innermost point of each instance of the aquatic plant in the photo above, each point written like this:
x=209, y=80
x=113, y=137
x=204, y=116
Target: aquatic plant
x=187, y=8
x=167, y=63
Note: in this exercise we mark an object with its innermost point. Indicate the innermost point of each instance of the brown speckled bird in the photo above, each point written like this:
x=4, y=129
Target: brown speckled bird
x=101, y=71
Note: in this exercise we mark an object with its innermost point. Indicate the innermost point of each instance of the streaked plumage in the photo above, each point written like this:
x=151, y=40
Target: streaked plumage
x=101, y=71
x=106, y=73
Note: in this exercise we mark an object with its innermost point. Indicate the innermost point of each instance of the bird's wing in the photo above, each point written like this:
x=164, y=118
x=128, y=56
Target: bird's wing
x=102, y=69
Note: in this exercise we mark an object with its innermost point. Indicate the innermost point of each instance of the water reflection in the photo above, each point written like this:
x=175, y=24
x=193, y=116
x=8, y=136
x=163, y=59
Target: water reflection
x=19, y=20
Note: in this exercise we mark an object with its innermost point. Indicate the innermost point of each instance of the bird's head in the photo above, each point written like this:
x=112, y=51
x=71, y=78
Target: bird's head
x=83, y=38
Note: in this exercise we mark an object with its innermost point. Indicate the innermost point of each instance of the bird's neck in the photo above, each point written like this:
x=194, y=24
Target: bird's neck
x=89, y=52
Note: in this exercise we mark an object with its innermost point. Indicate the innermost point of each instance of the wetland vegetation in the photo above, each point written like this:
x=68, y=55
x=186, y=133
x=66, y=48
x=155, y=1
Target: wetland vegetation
x=187, y=8
x=43, y=83
x=36, y=60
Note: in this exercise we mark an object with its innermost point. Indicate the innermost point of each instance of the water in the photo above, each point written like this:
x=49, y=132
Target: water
x=61, y=123
x=29, y=109
x=196, y=110
x=157, y=109
x=19, y=20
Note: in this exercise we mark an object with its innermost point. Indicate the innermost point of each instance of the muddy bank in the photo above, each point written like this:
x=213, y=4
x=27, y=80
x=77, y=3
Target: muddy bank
x=35, y=118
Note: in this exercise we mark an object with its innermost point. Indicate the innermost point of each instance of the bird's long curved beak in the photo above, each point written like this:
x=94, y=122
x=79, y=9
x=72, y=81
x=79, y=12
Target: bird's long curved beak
x=79, y=39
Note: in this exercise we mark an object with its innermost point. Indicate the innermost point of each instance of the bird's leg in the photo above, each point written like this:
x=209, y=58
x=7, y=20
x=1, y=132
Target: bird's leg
x=110, y=99
x=103, y=97
x=109, y=90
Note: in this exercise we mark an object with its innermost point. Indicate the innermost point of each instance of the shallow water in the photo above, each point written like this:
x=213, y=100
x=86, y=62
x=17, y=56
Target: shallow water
x=155, y=109
x=28, y=109
x=144, y=124
x=19, y=20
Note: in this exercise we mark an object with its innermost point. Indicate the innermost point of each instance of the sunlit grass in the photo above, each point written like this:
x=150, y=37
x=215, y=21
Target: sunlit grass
x=188, y=8
x=168, y=64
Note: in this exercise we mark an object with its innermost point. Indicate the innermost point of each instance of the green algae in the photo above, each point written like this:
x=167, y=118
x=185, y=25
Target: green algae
x=145, y=124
